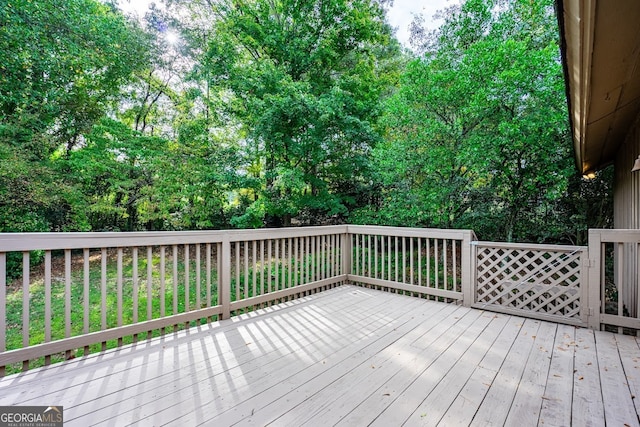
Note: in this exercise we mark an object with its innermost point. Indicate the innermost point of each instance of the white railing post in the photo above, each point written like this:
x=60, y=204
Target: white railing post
x=594, y=286
x=468, y=267
x=584, y=286
x=347, y=250
x=224, y=292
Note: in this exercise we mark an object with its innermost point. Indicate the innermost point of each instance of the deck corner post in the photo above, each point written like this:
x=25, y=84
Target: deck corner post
x=346, y=254
x=468, y=266
x=594, y=281
x=224, y=293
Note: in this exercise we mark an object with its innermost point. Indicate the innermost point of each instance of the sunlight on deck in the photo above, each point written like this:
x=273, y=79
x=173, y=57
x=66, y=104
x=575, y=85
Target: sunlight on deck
x=350, y=356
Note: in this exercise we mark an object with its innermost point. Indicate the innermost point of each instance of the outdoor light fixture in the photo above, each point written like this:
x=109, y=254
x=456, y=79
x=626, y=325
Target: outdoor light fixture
x=636, y=165
x=589, y=175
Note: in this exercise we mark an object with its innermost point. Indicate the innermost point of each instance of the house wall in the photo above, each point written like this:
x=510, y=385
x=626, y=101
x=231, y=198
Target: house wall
x=626, y=206
x=627, y=184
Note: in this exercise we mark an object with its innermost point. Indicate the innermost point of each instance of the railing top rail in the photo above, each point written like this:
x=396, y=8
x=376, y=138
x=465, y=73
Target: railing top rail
x=618, y=235
x=78, y=240
x=436, y=233
x=281, y=233
x=534, y=246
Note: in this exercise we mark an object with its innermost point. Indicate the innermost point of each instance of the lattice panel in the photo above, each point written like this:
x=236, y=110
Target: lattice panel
x=528, y=279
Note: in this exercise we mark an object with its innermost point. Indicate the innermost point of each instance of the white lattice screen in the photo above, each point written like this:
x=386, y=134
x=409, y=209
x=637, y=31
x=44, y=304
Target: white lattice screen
x=535, y=280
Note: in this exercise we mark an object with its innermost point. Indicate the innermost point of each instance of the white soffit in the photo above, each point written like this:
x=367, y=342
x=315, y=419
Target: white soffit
x=602, y=57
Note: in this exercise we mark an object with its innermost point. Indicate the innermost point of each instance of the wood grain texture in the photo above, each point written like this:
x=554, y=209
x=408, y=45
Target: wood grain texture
x=350, y=356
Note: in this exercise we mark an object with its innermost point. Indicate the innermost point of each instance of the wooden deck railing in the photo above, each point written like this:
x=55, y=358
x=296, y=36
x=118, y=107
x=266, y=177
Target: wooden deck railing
x=68, y=294
x=614, y=279
x=420, y=261
x=547, y=282
x=82, y=292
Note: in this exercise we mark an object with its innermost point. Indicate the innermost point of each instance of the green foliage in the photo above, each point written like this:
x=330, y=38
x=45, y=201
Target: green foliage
x=477, y=134
x=287, y=112
x=304, y=80
x=62, y=64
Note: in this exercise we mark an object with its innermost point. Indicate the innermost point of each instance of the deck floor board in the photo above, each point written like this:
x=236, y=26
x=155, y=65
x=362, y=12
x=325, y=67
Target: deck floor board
x=350, y=356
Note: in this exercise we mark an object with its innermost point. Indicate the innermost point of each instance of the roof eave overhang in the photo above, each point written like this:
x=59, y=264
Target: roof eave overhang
x=576, y=19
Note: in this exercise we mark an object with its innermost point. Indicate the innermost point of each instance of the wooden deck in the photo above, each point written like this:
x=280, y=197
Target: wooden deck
x=351, y=356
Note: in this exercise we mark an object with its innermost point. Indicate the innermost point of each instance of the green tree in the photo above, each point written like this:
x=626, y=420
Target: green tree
x=62, y=64
x=477, y=134
x=304, y=79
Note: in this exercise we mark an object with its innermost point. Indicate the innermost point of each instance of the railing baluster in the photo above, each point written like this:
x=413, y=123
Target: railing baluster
x=454, y=246
x=163, y=290
x=198, y=277
x=445, y=269
x=389, y=256
x=103, y=288
x=318, y=257
x=208, y=274
x=67, y=296
x=336, y=255
x=246, y=270
x=305, y=263
x=375, y=256
x=619, y=263
x=404, y=260
x=362, y=255
x=270, y=258
x=326, y=265
x=119, y=290
x=276, y=261
x=330, y=255
x=368, y=255
x=419, y=261
x=254, y=267
x=236, y=252
x=25, y=303
x=289, y=262
x=395, y=249
x=224, y=290
x=280, y=257
x=149, y=285
x=437, y=264
x=262, y=267
x=187, y=266
x=47, y=301
x=296, y=260
x=411, y=256
x=428, y=262
x=134, y=279
x=175, y=282
x=218, y=271
x=85, y=326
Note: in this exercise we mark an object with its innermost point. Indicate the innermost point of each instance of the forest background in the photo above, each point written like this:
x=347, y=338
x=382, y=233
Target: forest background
x=252, y=113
